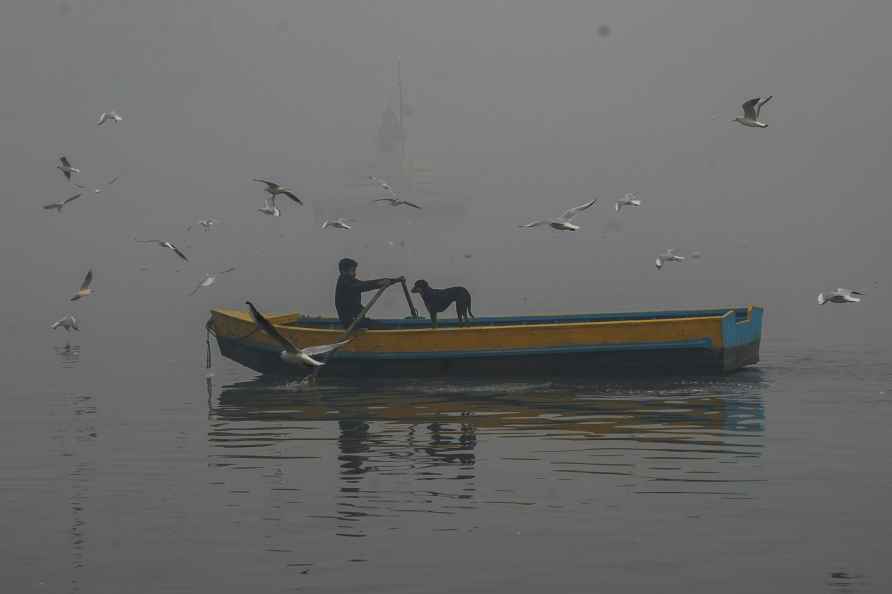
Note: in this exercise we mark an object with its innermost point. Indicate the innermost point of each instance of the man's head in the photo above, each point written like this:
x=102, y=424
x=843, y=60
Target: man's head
x=348, y=266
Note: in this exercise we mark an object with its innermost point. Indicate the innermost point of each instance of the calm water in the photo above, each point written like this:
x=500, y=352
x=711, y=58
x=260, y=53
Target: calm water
x=128, y=478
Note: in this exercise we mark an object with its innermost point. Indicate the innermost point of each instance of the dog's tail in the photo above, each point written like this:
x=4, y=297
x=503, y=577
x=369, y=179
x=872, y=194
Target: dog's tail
x=470, y=313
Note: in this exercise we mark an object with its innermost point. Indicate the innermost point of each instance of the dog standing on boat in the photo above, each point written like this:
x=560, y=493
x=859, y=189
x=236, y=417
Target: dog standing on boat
x=437, y=300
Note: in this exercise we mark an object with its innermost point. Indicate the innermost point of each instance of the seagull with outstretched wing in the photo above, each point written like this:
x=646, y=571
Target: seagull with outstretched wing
x=291, y=353
x=57, y=206
x=165, y=244
x=275, y=189
x=563, y=222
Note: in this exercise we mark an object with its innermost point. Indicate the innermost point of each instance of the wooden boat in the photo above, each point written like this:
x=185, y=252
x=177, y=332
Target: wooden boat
x=704, y=341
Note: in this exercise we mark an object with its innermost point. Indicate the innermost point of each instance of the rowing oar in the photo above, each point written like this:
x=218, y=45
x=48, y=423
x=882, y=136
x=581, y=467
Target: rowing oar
x=350, y=329
x=409, y=300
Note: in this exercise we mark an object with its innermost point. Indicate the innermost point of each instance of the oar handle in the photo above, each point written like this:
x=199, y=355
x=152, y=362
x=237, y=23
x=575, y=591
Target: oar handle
x=409, y=299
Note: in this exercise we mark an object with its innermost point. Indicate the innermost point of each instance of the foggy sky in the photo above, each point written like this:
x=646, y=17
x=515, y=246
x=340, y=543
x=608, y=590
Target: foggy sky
x=519, y=106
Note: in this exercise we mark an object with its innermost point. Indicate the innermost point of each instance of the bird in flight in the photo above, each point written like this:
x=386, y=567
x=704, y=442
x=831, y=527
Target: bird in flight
x=109, y=116
x=751, y=111
x=85, y=290
x=290, y=352
x=563, y=222
x=275, y=189
x=66, y=168
x=206, y=224
x=57, y=206
x=668, y=256
x=338, y=224
x=397, y=202
x=165, y=244
x=382, y=184
x=270, y=208
x=840, y=296
x=68, y=323
x=100, y=189
x=627, y=200
x=209, y=279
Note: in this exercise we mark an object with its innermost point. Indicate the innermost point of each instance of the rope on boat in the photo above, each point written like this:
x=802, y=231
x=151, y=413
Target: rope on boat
x=209, y=329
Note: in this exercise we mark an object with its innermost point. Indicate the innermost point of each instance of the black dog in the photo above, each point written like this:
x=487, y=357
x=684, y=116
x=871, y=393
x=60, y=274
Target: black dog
x=437, y=300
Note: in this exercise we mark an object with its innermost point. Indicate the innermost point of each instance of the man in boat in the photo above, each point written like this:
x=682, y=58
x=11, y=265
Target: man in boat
x=348, y=294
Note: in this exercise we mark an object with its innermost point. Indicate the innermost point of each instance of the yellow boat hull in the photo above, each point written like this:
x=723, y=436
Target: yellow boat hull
x=718, y=340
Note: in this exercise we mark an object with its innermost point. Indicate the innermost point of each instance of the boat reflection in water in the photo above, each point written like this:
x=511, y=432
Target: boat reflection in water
x=441, y=448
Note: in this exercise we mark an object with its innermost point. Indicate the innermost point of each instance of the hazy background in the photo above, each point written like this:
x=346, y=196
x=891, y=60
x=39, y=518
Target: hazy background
x=519, y=105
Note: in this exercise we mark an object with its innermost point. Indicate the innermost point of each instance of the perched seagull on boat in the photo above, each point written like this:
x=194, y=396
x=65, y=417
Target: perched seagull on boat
x=109, y=116
x=85, y=290
x=209, y=279
x=840, y=296
x=165, y=244
x=100, y=188
x=382, y=184
x=57, y=206
x=668, y=256
x=627, y=200
x=751, y=111
x=66, y=167
x=275, y=189
x=68, y=323
x=396, y=202
x=338, y=224
x=291, y=353
x=206, y=224
x=562, y=223
x=270, y=208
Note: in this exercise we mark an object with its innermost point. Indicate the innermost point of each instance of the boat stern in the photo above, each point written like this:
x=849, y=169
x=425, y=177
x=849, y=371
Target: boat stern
x=741, y=338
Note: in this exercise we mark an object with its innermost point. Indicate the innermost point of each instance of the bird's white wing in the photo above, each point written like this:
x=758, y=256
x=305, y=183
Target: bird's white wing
x=177, y=251
x=749, y=108
x=572, y=212
x=293, y=196
x=533, y=224
x=659, y=263
x=324, y=348
x=87, y=280
x=762, y=103
x=268, y=183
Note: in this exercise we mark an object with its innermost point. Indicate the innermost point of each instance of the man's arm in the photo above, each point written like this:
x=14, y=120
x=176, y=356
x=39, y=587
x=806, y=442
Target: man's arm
x=377, y=283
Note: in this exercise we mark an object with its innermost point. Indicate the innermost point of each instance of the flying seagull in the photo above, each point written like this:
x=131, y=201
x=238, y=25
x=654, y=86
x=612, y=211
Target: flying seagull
x=668, y=256
x=751, y=111
x=57, y=206
x=627, y=200
x=396, y=202
x=165, y=244
x=66, y=167
x=275, y=189
x=563, y=222
x=206, y=224
x=68, y=323
x=338, y=224
x=209, y=279
x=109, y=116
x=290, y=352
x=100, y=188
x=270, y=208
x=840, y=296
x=382, y=184
x=85, y=290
